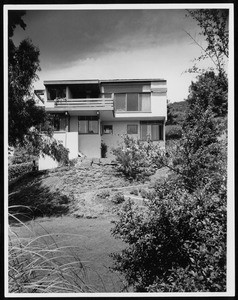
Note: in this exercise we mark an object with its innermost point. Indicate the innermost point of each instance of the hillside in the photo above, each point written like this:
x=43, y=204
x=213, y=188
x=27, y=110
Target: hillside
x=176, y=112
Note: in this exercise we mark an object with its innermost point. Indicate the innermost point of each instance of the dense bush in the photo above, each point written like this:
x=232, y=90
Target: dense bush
x=135, y=159
x=19, y=169
x=177, y=241
x=173, y=132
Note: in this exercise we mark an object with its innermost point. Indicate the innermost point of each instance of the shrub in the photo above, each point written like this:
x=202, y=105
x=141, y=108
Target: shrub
x=177, y=243
x=135, y=158
x=19, y=169
x=173, y=132
x=103, y=194
x=134, y=192
x=103, y=150
x=118, y=198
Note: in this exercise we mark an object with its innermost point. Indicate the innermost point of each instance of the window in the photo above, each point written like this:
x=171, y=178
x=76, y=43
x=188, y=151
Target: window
x=55, y=92
x=153, y=130
x=107, y=129
x=60, y=122
x=132, y=129
x=88, y=124
x=133, y=102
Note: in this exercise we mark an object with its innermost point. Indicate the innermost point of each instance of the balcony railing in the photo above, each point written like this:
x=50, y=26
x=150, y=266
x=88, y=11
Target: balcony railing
x=85, y=104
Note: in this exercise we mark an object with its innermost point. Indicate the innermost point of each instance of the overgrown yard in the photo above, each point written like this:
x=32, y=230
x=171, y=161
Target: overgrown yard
x=78, y=206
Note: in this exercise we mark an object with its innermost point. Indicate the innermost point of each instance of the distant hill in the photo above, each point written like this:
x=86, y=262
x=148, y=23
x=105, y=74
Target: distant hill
x=176, y=112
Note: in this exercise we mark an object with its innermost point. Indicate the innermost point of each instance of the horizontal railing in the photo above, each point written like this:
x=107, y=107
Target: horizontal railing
x=87, y=102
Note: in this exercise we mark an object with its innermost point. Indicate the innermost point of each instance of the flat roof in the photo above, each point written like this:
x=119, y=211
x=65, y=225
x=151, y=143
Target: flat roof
x=97, y=81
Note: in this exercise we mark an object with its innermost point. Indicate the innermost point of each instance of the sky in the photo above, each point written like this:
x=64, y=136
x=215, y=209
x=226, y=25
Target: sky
x=114, y=44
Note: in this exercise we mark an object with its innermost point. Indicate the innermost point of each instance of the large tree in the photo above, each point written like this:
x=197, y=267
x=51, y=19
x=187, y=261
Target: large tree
x=23, y=64
x=25, y=118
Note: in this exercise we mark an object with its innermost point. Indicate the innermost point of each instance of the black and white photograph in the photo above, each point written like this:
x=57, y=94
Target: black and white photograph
x=119, y=159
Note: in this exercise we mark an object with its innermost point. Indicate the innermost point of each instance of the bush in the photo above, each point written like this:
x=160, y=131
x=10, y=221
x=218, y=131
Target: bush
x=173, y=132
x=176, y=244
x=135, y=159
x=19, y=169
x=118, y=198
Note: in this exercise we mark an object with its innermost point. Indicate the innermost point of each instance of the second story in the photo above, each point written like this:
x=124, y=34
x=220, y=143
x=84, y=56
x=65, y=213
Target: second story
x=135, y=98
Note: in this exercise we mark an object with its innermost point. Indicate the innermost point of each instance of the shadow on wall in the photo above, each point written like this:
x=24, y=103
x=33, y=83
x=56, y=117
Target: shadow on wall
x=29, y=199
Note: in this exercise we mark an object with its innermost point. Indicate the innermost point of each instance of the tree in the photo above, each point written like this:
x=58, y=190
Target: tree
x=214, y=27
x=23, y=63
x=25, y=118
x=209, y=90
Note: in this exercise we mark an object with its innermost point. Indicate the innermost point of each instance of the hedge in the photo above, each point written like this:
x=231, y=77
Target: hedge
x=19, y=169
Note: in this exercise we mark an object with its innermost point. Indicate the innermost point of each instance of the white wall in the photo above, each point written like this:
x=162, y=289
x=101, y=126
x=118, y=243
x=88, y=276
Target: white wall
x=119, y=130
x=90, y=145
x=47, y=162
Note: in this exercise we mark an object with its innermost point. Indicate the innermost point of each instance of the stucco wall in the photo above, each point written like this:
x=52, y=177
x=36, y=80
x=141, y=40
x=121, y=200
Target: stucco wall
x=73, y=124
x=90, y=145
x=119, y=130
x=47, y=162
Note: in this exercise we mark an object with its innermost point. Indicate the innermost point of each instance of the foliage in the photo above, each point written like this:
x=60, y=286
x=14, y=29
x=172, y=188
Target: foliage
x=40, y=144
x=177, y=240
x=19, y=169
x=26, y=120
x=103, y=150
x=37, y=264
x=209, y=90
x=173, y=132
x=214, y=27
x=118, y=198
x=176, y=112
x=135, y=158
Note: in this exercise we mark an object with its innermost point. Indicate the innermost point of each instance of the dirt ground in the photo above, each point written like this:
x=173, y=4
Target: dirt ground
x=86, y=193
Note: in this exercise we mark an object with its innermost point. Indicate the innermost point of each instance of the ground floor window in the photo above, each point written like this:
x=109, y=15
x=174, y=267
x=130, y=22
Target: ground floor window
x=60, y=122
x=132, y=129
x=88, y=125
x=153, y=130
x=107, y=129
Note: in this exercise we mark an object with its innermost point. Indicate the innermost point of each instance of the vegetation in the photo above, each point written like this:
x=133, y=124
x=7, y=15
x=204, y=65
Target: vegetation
x=39, y=265
x=135, y=158
x=177, y=241
x=213, y=24
x=26, y=120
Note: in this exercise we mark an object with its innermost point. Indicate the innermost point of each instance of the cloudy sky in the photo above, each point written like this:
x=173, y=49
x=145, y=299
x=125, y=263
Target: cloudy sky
x=114, y=44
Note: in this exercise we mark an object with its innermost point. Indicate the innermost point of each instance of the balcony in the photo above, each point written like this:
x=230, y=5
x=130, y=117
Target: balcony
x=62, y=104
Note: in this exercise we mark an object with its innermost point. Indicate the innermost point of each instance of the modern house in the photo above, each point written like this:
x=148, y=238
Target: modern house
x=88, y=113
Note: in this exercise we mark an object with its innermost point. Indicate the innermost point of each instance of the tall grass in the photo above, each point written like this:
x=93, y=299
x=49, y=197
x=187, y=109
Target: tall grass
x=38, y=264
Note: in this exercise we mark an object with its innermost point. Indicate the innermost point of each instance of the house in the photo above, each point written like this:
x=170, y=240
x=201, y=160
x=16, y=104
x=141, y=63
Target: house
x=88, y=113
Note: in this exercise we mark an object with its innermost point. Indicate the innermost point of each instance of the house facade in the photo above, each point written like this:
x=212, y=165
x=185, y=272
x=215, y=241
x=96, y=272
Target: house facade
x=89, y=113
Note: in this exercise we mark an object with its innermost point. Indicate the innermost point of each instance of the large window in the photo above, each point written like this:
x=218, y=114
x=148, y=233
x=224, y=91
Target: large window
x=133, y=102
x=88, y=124
x=152, y=130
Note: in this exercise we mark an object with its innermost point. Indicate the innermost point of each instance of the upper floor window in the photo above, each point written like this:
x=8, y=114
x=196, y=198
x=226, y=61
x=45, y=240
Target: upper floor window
x=152, y=130
x=88, y=125
x=54, y=92
x=133, y=102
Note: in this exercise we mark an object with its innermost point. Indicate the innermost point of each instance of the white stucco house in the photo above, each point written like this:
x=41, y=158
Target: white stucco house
x=91, y=112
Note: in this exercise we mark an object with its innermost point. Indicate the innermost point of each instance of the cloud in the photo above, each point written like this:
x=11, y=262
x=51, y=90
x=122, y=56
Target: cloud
x=66, y=36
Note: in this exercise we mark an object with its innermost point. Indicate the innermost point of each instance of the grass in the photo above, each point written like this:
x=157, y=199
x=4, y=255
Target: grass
x=38, y=264
x=56, y=245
